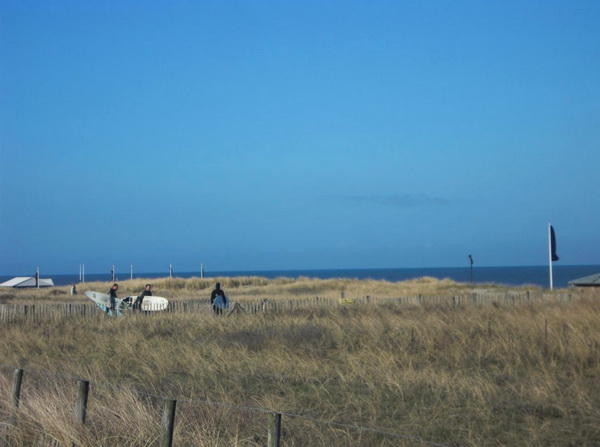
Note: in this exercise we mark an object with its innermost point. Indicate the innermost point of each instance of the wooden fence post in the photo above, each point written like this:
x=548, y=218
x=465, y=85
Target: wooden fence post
x=16, y=388
x=274, y=435
x=167, y=424
x=81, y=403
x=15, y=397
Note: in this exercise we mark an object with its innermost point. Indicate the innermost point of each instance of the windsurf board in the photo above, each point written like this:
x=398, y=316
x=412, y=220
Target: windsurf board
x=150, y=303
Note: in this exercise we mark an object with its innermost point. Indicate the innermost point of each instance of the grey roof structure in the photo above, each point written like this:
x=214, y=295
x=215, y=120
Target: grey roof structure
x=588, y=281
x=27, y=281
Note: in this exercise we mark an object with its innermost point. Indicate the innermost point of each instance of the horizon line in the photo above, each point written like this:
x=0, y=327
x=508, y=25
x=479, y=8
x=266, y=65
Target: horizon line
x=139, y=275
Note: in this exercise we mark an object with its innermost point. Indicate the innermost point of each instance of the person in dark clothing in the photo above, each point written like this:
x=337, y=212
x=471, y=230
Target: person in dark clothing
x=113, y=297
x=213, y=296
x=138, y=301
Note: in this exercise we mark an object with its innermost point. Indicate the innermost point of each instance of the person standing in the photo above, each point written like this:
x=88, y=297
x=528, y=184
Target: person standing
x=140, y=299
x=74, y=290
x=218, y=299
x=112, y=293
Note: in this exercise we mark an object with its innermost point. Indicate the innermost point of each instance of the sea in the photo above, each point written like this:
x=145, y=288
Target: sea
x=512, y=276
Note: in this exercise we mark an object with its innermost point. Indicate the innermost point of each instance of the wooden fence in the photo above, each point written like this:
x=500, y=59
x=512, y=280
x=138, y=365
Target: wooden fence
x=21, y=313
x=166, y=420
x=167, y=424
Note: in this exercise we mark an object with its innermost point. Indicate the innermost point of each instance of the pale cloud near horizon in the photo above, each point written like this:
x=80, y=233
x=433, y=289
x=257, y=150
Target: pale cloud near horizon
x=401, y=200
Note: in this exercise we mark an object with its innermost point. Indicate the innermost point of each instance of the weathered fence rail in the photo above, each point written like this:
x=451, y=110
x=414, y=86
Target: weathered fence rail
x=20, y=313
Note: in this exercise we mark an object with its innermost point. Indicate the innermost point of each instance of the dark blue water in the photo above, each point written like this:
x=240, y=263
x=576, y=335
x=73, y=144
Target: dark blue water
x=514, y=276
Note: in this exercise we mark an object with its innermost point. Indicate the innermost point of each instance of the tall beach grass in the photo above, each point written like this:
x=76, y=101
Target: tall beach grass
x=457, y=375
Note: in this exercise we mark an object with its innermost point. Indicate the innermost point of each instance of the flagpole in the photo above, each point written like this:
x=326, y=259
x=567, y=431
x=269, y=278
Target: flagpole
x=550, y=254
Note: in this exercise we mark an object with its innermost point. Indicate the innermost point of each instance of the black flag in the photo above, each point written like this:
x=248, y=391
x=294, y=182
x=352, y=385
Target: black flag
x=553, y=244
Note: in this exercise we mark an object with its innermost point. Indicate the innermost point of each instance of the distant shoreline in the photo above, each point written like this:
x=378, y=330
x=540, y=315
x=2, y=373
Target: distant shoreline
x=513, y=276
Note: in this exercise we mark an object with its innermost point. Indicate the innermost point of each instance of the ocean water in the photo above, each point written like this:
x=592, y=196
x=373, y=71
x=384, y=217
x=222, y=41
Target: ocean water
x=515, y=276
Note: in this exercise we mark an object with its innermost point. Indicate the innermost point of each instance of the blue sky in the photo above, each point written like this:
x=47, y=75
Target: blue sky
x=255, y=135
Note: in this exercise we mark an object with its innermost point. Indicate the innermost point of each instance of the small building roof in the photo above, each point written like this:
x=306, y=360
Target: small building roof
x=27, y=281
x=588, y=281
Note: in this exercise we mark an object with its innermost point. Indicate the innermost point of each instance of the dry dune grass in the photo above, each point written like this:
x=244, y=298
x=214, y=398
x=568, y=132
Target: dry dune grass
x=241, y=288
x=466, y=375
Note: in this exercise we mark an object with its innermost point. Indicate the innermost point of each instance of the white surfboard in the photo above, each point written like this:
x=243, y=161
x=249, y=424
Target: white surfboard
x=99, y=298
x=102, y=300
x=150, y=303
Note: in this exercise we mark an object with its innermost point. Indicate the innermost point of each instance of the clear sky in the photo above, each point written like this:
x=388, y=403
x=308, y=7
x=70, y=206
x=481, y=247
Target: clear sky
x=257, y=135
